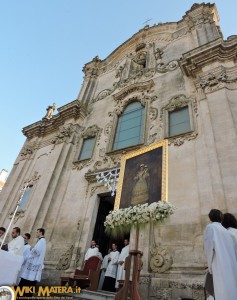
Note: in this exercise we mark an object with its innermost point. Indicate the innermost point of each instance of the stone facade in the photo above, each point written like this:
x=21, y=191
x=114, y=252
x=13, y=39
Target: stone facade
x=164, y=67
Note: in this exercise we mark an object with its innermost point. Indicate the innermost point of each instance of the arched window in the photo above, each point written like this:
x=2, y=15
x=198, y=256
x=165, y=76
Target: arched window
x=130, y=127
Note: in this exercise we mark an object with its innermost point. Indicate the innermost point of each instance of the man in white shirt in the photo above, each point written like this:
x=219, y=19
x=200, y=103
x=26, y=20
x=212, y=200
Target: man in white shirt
x=92, y=251
x=16, y=245
x=121, y=260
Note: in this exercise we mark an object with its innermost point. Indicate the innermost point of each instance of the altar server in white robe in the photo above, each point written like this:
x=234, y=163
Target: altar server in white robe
x=104, y=266
x=31, y=271
x=221, y=257
x=16, y=245
x=121, y=260
x=111, y=271
x=92, y=251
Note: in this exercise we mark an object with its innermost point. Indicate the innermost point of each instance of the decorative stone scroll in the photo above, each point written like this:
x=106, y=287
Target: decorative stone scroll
x=65, y=259
x=103, y=94
x=163, y=68
x=161, y=261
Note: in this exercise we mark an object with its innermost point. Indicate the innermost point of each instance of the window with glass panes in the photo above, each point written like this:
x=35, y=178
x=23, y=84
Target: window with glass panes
x=24, y=199
x=179, y=121
x=130, y=127
x=87, y=148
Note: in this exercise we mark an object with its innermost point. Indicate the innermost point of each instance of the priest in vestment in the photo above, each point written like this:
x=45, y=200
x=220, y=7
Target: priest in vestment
x=111, y=271
x=31, y=271
x=221, y=257
x=121, y=260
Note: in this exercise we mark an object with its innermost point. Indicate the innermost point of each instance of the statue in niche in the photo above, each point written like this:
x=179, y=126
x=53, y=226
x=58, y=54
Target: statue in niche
x=50, y=111
x=140, y=192
x=140, y=61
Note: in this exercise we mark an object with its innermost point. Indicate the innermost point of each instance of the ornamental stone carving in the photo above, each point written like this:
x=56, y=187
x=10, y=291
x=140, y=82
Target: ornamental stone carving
x=179, y=140
x=79, y=165
x=218, y=78
x=163, y=68
x=18, y=215
x=26, y=152
x=178, y=101
x=65, y=259
x=92, y=131
x=103, y=94
x=160, y=261
x=63, y=135
x=153, y=112
x=31, y=180
x=78, y=255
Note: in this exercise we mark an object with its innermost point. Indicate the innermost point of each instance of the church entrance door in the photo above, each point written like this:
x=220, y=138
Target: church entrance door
x=102, y=239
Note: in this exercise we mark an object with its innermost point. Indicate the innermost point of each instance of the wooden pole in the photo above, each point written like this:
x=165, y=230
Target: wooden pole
x=13, y=216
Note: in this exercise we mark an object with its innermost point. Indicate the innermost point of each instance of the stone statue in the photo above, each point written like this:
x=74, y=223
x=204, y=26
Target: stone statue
x=50, y=111
x=140, y=192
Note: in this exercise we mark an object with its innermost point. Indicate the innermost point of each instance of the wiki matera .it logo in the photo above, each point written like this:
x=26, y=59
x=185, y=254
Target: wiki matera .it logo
x=6, y=293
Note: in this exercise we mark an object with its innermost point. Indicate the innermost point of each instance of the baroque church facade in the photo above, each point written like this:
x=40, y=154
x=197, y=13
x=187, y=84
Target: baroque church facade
x=173, y=81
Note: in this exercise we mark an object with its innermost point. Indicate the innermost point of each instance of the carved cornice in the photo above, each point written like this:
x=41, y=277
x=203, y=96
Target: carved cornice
x=193, y=61
x=43, y=127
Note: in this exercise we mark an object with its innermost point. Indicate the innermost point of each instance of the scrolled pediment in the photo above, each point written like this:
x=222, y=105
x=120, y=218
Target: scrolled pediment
x=136, y=87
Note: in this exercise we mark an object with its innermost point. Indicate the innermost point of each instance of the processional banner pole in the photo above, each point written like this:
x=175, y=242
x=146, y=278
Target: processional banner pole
x=26, y=187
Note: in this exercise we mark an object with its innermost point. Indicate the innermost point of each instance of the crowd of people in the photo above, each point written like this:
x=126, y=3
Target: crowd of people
x=112, y=266
x=220, y=247
x=32, y=257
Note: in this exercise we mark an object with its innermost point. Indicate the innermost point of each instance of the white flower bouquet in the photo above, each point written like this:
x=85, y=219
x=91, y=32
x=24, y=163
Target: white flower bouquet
x=119, y=222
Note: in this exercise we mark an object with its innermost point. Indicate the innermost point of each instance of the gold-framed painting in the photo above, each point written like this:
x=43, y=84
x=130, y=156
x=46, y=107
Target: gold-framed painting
x=143, y=176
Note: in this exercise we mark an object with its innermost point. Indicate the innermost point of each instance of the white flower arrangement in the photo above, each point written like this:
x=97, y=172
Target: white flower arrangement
x=120, y=221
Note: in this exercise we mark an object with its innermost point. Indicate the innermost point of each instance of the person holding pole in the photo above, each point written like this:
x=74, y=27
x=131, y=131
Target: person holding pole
x=16, y=245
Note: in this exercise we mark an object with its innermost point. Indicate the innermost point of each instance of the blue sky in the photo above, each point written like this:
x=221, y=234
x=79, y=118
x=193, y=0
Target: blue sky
x=45, y=44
